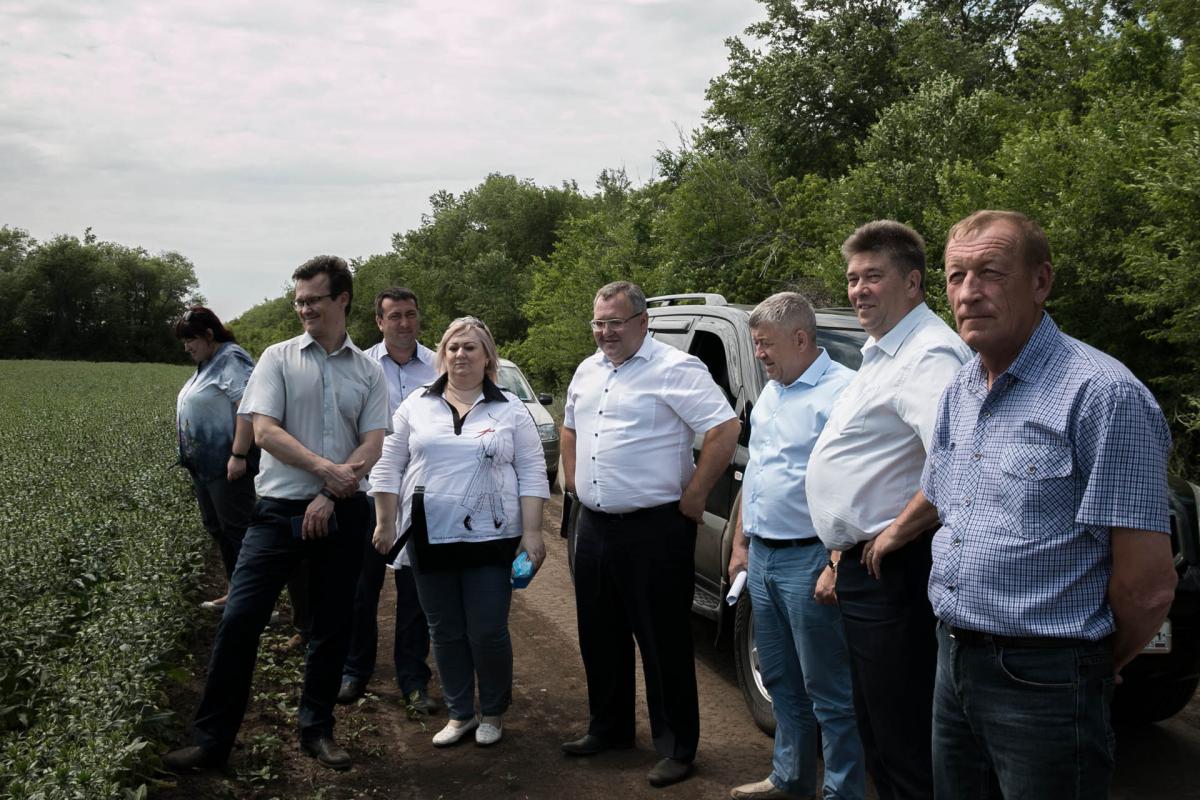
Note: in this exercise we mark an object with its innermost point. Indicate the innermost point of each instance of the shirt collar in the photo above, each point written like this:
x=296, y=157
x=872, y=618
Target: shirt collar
x=1029, y=363
x=1032, y=359
x=891, y=341
x=645, y=352
x=306, y=339
x=491, y=392
x=812, y=375
x=424, y=354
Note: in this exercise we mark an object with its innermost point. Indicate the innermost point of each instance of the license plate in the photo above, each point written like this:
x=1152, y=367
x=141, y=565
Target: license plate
x=1161, y=643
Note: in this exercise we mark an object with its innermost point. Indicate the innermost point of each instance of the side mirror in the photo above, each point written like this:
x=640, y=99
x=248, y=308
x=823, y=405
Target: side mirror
x=545, y=399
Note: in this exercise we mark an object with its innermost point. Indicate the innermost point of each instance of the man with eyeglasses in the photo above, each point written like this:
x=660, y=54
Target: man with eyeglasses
x=632, y=412
x=319, y=407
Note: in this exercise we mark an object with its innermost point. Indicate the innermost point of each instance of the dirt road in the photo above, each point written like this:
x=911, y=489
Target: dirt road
x=394, y=757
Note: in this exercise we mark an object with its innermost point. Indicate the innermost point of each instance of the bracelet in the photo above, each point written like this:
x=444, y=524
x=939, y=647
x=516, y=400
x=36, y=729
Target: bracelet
x=833, y=566
x=326, y=493
x=241, y=456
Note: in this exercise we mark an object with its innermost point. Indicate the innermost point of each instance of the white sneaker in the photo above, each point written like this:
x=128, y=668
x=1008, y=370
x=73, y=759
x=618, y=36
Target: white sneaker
x=489, y=732
x=455, y=730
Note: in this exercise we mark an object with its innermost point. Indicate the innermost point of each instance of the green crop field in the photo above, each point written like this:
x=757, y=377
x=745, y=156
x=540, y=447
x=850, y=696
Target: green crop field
x=100, y=544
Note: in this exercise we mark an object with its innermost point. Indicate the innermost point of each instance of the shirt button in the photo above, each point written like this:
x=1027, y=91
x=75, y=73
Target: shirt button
x=956, y=541
x=952, y=587
x=966, y=501
x=977, y=456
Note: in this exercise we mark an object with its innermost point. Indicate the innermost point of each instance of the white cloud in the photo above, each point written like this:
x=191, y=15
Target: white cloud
x=249, y=136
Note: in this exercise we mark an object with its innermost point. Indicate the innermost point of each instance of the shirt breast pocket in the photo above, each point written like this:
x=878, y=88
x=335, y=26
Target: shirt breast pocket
x=1037, y=489
x=849, y=414
x=350, y=398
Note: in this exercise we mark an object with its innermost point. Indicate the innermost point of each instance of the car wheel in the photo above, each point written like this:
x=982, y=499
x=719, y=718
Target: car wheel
x=746, y=660
x=1141, y=702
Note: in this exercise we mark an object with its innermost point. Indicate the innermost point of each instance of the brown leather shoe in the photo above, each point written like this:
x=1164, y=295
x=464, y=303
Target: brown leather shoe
x=186, y=759
x=329, y=754
x=668, y=771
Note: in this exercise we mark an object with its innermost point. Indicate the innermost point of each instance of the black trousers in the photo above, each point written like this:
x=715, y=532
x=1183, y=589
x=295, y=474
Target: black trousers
x=634, y=580
x=891, y=636
x=268, y=558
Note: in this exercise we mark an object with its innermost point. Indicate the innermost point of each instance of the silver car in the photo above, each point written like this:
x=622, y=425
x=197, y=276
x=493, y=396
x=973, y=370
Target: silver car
x=514, y=380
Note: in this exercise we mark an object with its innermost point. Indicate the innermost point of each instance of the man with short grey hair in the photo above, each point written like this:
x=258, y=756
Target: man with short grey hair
x=632, y=412
x=800, y=642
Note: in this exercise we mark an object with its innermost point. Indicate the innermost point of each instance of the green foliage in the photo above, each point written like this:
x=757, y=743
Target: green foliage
x=91, y=300
x=101, y=544
x=271, y=321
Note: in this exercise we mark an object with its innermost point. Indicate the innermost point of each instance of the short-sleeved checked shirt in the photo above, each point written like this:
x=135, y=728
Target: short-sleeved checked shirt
x=1029, y=478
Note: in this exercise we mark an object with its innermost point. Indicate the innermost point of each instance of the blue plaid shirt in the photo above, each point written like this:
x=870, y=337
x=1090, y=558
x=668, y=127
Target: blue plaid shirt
x=1030, y=476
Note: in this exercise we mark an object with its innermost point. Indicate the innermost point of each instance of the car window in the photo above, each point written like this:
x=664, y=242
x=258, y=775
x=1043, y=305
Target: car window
x=513, y=379
x=845, y=347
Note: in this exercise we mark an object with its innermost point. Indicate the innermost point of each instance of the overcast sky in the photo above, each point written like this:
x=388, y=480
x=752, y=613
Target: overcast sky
x=249, y=136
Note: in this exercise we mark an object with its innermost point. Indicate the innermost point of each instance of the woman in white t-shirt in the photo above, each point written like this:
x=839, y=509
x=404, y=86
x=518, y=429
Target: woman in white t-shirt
x=465, y=465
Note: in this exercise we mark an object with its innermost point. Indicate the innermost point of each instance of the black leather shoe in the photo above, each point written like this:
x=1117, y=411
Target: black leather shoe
x=350, y=691
x=328, y=753
x=186, y=759
x=589, y=745
x=669, y=771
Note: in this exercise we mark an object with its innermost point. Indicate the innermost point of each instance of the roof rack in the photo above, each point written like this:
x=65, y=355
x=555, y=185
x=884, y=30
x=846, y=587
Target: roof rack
x=699, y=298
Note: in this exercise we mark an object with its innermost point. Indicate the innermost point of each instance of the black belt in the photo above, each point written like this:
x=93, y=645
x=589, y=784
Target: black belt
x=637, y=513
x=776, y=544
x=970, y=637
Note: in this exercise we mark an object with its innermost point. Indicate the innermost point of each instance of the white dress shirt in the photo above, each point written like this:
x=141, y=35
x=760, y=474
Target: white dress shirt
x=473, y=474
x=325, y=401
x=867, y=462
x=635, y=426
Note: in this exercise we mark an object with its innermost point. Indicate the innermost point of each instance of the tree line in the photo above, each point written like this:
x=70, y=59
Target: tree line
x=90, y=300
x=1084, y=114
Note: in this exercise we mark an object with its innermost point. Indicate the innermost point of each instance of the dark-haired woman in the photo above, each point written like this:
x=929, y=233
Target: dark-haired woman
x=215, y=444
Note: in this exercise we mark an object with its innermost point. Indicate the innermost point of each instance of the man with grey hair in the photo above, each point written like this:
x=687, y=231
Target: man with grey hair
x=800, y=642
x=863, y=478
x=632, y=412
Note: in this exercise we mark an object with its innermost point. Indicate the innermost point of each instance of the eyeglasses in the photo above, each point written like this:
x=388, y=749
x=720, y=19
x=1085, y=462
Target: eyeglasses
x=301, y=302
x=613, y=325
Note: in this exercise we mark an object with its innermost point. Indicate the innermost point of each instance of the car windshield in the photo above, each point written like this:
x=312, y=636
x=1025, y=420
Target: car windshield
x=513, y=379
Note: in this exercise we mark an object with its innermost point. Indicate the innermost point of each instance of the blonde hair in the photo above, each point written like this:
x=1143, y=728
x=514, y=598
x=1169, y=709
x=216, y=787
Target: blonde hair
x=485, y=338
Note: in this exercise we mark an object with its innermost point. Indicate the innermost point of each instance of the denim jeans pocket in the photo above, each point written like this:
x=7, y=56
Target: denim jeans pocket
x=1039, y=668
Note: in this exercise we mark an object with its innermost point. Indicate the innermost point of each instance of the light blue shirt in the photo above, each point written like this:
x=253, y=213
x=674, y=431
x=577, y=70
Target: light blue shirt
x=1030, y=476
x=326, y=401
x=784, y=426
x=205, y=411
x=403, y=378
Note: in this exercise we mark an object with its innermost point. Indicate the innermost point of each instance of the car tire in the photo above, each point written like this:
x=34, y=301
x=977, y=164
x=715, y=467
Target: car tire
x=746, y=661
x=1140, y=702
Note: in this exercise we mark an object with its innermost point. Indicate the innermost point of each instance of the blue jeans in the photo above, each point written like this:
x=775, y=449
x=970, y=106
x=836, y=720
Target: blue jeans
x=468, y=623
x=268, y=558
x=410, y=648
x=1028, y=722
x=806, y=668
